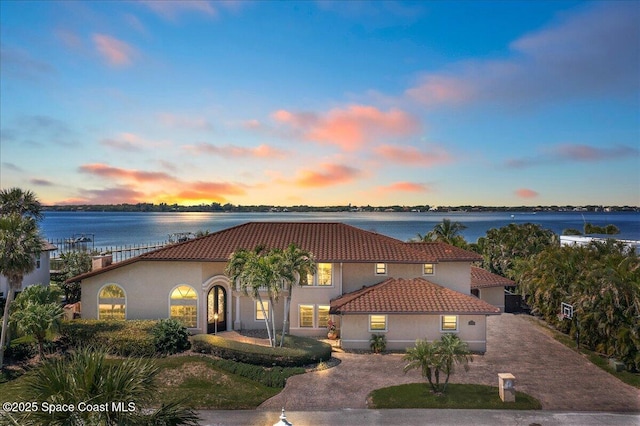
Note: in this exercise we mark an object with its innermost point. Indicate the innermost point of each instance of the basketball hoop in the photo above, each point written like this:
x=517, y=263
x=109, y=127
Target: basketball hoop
x=566, y=310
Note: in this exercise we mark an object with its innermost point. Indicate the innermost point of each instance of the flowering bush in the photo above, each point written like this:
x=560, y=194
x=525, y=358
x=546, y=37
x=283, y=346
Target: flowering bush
x=331, y=326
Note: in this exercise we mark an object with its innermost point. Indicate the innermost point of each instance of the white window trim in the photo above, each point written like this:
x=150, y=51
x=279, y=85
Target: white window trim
x=380, y=274
x=313, y=316
x=256, y=309
x=126, y=311
x=433, y=265
x=386, y=324
x=196, y=302
x=457, y=324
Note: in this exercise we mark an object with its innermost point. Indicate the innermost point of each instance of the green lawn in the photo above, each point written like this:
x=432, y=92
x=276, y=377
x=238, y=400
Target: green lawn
x=419, y=395
x=193, y=378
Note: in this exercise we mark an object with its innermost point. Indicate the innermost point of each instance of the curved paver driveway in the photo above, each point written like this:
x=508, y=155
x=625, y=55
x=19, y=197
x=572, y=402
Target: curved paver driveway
x=559, y=377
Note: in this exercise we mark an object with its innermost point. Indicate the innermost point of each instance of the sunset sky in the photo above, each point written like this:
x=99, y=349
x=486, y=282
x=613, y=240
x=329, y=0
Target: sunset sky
x=321, y=103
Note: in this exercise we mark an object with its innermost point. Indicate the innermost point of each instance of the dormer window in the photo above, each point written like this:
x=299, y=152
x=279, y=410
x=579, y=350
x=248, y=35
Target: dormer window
x=381, y=269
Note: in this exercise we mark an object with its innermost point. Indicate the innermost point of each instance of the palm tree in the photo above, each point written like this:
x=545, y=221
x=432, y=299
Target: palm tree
x=424, y=356
x=85, y=377
x=451, y=351
x=251, y=270
x=20, y=243
x=446, y=232
x=24, y=203
x=295, y=264
x=36, y=311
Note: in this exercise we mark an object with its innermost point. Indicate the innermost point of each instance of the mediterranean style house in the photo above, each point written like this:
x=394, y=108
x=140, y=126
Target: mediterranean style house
x=40, y=275
x=365, y=283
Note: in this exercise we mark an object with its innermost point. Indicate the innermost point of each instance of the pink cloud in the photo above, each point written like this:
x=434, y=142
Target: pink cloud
x=526, y=193
x=349, y=127
x=170, y=9
x=209, y=190
x=115, y=195
x=405, y=187
x=129, y=142
x=232, y=151
x=410, y=155
x=583, y=54
x=330, y=174
x=104, y=170
x=115, y=52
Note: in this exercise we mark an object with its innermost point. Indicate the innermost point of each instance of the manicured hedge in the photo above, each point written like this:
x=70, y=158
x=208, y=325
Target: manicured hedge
x=275, y=377
x=297, y=351
x=124, y=338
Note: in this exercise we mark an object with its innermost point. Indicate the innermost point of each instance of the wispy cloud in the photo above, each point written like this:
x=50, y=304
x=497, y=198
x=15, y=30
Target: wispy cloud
x=351, y=127
x=40, y=182
x=11, y=166
x=41, y=130
x=404, y=187
x=171, y=9
x=232, y=151
x=115, y=52
x=114, y=195
x=410, y=155
x=104, y=170
x=327, y=175
x=574, y=153
x=21, y=64
x=595, y=52
x=526, y=193
x=130, y=142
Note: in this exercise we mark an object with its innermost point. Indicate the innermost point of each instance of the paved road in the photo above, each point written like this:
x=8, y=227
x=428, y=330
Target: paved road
x=559, y=377
x=365, y=417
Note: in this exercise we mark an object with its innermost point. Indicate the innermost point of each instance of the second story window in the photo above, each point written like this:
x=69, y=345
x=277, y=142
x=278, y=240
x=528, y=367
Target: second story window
x=381, y=269
x=428, y=269
x=323, y=276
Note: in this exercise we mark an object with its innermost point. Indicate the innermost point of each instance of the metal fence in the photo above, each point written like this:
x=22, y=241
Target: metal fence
x=119, y=253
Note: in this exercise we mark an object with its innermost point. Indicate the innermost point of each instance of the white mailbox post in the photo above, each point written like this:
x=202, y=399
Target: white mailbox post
x=507, y=386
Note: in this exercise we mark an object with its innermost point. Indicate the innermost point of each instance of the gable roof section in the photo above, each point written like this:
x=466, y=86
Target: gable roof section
x=409, y=296
x=328, y=241
x=443, y=252
x=481, y=278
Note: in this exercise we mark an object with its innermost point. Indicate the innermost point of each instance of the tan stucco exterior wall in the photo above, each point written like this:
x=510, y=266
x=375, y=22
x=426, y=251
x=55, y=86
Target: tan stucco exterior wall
x=494, y=296
x=403, y=330
x=40, y=275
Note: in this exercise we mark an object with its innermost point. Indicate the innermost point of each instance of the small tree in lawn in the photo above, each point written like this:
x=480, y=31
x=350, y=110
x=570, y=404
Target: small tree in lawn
x=438, y=357
x=36, y=311
x=74, y=263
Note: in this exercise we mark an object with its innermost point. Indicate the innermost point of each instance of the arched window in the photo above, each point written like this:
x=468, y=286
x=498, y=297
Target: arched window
x=112, y=303
x=184, y=305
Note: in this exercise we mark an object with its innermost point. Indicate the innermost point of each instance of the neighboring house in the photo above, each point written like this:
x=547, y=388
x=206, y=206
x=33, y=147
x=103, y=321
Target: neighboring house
x=366, y=282
x=40, y=275
x=489, y=287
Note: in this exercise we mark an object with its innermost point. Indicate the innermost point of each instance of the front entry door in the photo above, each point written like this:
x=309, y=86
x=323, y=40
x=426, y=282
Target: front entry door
x=217, y=304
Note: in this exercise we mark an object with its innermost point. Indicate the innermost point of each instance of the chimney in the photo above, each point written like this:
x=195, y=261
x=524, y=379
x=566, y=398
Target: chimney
x=102, y=261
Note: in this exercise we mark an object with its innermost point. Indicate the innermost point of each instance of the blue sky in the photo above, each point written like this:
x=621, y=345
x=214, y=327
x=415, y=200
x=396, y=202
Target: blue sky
x=322, y=103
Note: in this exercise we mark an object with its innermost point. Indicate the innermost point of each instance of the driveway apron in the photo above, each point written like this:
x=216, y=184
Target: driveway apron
x=556, y=375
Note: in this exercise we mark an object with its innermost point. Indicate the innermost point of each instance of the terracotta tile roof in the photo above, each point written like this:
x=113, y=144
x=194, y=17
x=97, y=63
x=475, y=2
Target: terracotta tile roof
x=47, y=246
x=437, y=252
x=329, y=242
x=481, y=278
x=409, y=296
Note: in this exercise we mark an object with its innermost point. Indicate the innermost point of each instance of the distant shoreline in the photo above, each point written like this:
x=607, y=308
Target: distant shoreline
x=219, y=208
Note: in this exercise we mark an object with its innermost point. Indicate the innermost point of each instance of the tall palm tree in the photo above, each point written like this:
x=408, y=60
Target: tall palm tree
x=446, y=232
x=20, y=243
x=24, y=203
x=295, y=264
x=251, y=271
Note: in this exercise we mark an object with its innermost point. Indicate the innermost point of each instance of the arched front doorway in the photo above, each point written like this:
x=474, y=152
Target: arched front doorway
x=216, y=304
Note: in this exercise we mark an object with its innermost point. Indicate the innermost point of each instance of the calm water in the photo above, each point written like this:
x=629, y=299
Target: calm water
x=115, y=229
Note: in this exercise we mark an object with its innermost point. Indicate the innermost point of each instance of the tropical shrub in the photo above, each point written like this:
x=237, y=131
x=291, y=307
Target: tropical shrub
x=378, y=343
x=602, y=282
x=298, y=351
x=122, y=338
x=275, y=377
x=86, y=378
x=170, y=337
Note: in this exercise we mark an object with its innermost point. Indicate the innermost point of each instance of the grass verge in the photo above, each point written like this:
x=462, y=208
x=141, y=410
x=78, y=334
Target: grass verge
x=419, y=395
